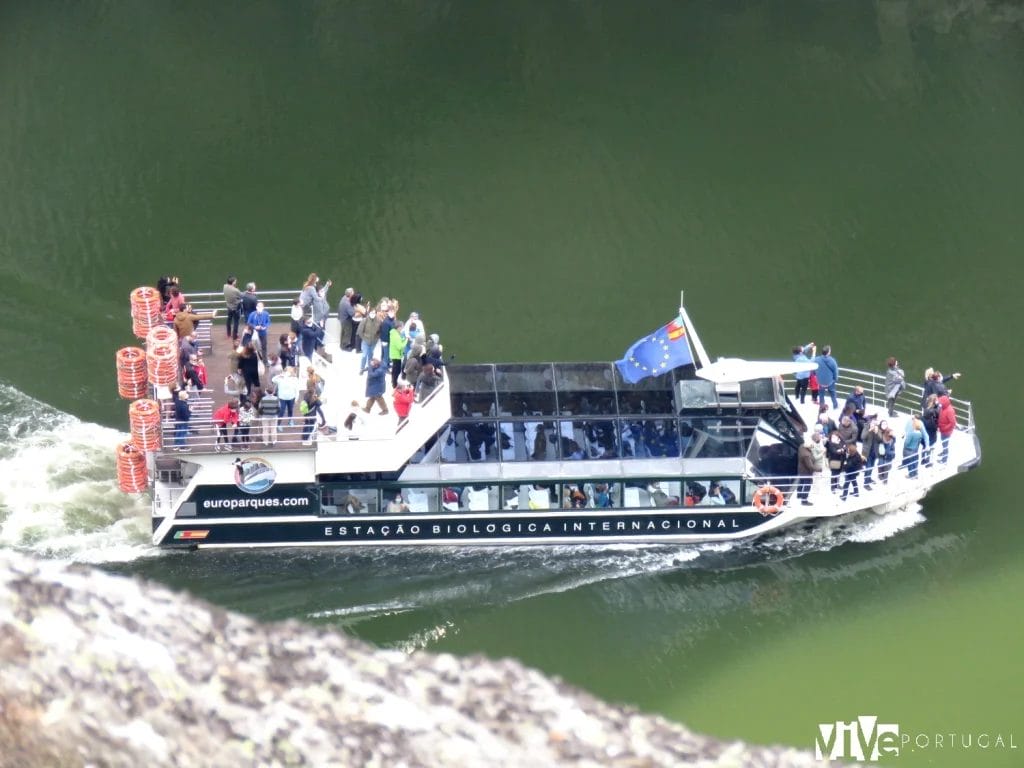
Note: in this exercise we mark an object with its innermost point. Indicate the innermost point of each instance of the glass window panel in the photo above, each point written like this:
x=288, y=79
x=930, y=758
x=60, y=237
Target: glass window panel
x=649, y=438
x=588, y=439
x=697, y=394
x=712, y=493
x=472, y=388
x=413, y=500
x=757, y=391
x=590, y=494
x=715, y=437
x=586, y=403
x=525, y=390
x=349, y=500
x=652, y=402
x=539, y=441
x=469, y=441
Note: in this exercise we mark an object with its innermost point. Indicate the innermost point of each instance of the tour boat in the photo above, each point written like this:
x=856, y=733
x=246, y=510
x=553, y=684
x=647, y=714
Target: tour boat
x=514, y=454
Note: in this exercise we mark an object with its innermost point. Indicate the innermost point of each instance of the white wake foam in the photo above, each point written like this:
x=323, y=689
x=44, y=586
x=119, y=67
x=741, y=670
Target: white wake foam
x=58, y=493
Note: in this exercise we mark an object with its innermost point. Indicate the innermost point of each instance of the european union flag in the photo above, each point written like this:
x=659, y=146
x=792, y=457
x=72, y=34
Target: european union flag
x=657, y=353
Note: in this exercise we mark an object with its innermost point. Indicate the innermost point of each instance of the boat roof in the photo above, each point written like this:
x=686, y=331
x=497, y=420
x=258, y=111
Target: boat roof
x=732, y=370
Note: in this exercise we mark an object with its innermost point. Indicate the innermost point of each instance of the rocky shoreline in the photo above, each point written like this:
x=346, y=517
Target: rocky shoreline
x=102, y=670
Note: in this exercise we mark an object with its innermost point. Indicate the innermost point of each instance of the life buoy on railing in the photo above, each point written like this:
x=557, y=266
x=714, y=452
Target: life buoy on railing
x=145, y=302
x=768, y=500
x=131, y=373
x=144, y=418
x=131, y=468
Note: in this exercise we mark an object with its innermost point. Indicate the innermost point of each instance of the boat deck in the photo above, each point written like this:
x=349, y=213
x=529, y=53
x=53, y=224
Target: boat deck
x=343, y=385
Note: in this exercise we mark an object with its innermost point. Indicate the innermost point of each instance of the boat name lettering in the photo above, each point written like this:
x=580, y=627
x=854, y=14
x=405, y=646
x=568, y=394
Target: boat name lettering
x=559, y=527
x=255, y=502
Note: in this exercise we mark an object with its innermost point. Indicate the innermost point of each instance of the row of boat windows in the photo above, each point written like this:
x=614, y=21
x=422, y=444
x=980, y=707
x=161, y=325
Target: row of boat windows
x=588, y=389
x=589, y=494
x=472, y=440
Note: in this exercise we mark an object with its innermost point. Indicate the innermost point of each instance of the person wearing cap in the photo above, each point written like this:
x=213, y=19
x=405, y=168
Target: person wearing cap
x=182, y=415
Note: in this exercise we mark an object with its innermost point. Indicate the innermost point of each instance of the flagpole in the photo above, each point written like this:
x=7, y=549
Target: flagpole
x=691, y=335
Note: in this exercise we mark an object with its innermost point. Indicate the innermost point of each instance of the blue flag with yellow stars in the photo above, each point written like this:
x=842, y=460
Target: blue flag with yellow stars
x=656, y=353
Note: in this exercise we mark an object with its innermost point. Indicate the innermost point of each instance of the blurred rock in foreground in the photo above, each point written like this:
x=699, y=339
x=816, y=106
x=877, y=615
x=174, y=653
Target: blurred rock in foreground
x=102, y=670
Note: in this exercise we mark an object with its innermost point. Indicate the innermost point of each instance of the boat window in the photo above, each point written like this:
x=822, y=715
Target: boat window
x=652, y=396
x=411, y=499
x=649, y=438
x=472, y=390
x=585, y=389
x=479, y=497
x=538, y=442
x=525, y=389
x=711, y=437
x=588, y=439
x=430, y=451
x=696, y=394
x=758, y=391
x=712, y=492
x=471, y=441
x=349, y=500
x=590, y=494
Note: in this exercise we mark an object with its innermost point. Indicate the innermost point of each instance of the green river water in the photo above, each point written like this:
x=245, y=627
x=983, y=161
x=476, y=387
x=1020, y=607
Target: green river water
x=539, y=180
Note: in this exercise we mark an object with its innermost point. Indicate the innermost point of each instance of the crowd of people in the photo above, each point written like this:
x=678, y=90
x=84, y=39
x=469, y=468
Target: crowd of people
x=266, y=390
x=859, y=444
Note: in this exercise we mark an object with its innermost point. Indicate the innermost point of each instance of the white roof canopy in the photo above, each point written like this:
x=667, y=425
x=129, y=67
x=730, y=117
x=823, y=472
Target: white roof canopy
x=728, y=370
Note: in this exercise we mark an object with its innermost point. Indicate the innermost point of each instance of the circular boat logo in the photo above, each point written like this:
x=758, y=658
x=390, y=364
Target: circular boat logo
x=254, y=475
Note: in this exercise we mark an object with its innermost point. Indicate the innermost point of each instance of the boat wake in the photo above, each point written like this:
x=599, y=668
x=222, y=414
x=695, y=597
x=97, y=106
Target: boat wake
x=58, y=498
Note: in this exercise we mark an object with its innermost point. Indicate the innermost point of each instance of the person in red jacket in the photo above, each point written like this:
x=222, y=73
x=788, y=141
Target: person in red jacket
x=403, y=398
x=947, y=425
x=223, y=417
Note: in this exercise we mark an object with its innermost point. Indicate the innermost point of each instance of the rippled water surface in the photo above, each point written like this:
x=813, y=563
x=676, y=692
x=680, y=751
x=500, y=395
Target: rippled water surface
x=539, y=180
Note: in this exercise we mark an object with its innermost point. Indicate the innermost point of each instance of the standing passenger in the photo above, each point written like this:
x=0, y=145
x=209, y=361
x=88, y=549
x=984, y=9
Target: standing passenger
x=800, y=355
x=895, y=382
x=828, y=374
x=233, y=301
x=947, y=425
x=852, y=466
x=375, y=387
x=268, y=408
x=913, y=441
x=182, y=415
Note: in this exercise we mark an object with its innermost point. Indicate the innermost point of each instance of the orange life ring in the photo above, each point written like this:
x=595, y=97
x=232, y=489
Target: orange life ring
x=131, y=373
x=144, y=419
x=762, y=505
x=131, y=469
x=145, y=302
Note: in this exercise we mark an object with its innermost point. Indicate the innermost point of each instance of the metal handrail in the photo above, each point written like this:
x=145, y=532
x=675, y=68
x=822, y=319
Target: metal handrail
x=909, y=400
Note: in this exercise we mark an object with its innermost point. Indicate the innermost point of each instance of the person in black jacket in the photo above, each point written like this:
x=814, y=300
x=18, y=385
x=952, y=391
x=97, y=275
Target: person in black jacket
x=835, y=455
x=852, y=467
x=249, y=367
x=930, y=419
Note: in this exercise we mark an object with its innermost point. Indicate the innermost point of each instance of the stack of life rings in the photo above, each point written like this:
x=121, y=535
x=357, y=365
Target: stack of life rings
x=131, y=373
x=162, y=356
x=145, y=310
x=131, y=468
x=768, y=500
x=144, y=419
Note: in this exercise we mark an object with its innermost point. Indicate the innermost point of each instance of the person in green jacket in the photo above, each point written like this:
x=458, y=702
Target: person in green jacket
x=396, y=349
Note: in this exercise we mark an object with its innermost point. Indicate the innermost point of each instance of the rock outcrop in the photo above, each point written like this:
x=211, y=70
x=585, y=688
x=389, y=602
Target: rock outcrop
x=105, y=671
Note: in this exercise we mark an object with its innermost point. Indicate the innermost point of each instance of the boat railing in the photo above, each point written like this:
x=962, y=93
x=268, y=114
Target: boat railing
x=909, y=400
x=277, y=303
